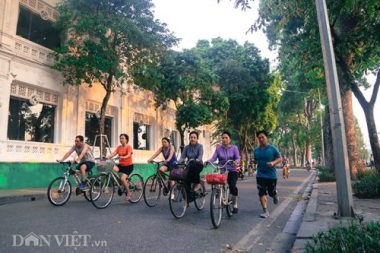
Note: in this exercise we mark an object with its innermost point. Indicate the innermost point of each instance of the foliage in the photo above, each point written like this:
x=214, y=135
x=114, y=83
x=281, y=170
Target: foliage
x=325, y=174
x=357, y=236
x=181, y=77
x=246, y=80
x=368, y=185
x=105, y=40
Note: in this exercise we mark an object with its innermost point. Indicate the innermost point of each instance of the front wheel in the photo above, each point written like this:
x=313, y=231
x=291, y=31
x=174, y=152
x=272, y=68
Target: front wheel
x=152, y=191
x=200, y=200
x=178, y=200
x=102, y=191
x=216, y=206
x=229, y=204
x=136, y=185
x=59, y=191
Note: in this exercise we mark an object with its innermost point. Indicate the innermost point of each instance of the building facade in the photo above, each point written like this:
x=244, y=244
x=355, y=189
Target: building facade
x=40, y=117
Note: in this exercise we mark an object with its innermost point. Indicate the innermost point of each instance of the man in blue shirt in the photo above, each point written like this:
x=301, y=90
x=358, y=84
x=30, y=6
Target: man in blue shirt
x=266, y=156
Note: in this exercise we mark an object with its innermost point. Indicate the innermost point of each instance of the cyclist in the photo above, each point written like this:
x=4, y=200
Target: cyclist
x=266, y=156
x=226, y=152
x=85, y=158
x=170, y=157
x=194, y=152
x=125, y=166
x=285, y=167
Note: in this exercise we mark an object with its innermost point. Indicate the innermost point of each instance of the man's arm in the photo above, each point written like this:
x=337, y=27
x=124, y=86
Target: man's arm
x=67, y=154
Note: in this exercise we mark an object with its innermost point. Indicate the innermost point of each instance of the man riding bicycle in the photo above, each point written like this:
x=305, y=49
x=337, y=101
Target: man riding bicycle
x=85, y=158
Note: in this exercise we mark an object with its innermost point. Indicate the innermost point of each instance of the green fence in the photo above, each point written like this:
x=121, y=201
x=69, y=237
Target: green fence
x=39, y=175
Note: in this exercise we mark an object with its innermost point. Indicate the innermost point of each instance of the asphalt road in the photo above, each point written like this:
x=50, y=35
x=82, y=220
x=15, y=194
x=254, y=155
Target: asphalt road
x=124, y=227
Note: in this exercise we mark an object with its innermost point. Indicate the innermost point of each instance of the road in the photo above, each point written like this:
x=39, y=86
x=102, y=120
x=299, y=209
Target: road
x=125, y=227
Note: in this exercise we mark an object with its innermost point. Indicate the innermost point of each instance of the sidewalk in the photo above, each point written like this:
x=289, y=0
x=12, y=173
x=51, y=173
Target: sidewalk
x=19, y=195
x=321, y=210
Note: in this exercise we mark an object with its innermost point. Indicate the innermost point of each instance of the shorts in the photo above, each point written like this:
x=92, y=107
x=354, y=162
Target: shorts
x=125, y=169
x=89, y=165
x=266, y=186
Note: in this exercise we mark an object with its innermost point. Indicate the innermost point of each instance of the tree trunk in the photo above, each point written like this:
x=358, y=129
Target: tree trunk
x=103, y=109
x=327, y=137
x=294, y=151
x=349, y=122
x=368, y=108
x=182, y=136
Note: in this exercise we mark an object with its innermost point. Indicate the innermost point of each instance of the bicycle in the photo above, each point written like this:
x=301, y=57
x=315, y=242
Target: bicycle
x=220, y=194
x=103, y=187
x=153, y=186
x=59, y=189
x=179, y=198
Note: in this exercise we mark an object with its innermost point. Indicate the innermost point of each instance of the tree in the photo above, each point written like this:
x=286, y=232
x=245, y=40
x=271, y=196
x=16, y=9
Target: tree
x=182, y=78
x=105, y=40
x=292, y=25
x=246, y=80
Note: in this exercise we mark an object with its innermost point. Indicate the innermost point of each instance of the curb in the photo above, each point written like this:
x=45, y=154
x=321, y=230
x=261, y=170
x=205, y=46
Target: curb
x=4, y=200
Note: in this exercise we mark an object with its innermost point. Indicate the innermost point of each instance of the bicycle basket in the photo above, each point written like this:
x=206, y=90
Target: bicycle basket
x=216, y=178
x=178, y=174
x=105, y=165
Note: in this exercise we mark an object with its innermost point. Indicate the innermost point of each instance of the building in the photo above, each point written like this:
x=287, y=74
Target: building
x=40, y=117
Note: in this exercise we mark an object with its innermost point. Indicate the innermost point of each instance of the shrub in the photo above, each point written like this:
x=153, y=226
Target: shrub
x=368, y=186
x=325, y=174
x=356, y=237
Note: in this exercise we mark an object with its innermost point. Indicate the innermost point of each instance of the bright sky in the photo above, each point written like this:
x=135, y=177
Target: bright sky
x=192, y=20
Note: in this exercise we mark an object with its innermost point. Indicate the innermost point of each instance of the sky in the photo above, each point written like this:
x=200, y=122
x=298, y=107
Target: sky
x=192, y=20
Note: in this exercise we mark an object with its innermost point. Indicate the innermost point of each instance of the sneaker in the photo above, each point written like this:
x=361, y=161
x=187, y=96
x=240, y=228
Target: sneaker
x=264, y=215
x=235, y=210
x=82, y=186
x=275, y=199
x=165, y=191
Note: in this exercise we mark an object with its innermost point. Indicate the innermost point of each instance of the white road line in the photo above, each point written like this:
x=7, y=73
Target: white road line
x=248, y=241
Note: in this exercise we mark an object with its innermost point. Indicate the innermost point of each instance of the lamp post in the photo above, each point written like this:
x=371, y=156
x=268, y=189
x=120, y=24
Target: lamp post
x=343, y=181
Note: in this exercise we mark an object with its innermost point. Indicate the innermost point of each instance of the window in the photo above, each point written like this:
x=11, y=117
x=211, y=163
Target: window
x=27, y=122
x=92, y=128
x=141, y=134
x=32, y=27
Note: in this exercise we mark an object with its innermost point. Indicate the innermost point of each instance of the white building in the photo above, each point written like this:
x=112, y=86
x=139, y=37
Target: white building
x=40, y=117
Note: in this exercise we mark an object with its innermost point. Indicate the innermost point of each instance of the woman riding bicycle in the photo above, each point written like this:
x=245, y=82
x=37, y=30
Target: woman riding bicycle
x=125, y=166
x=170, y=158
x=226, y=152
x=193, y=153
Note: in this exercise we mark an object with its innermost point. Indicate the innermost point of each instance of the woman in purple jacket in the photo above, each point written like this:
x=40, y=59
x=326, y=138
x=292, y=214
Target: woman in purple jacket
x=226, y=152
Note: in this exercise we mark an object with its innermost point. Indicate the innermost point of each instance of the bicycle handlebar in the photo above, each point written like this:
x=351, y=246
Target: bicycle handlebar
x=216, y=165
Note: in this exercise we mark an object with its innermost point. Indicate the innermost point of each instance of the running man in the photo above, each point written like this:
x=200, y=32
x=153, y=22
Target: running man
x=266, y=156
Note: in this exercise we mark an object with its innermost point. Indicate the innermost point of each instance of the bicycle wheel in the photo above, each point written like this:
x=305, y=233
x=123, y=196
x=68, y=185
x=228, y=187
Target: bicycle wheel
x=152, y=191
x=216, y=206
x=102, y=191
x=136, y=185
x=200, y=200
x=228, y=204
x=86, y=192
x=178, y=200
x=59, y=191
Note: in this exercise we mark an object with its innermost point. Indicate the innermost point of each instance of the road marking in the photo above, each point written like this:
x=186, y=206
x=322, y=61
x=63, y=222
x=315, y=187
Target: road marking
x=248, y=241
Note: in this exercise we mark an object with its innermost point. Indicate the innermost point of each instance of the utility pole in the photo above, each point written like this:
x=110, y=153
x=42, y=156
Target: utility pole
x=343, y=181
x=321, y=124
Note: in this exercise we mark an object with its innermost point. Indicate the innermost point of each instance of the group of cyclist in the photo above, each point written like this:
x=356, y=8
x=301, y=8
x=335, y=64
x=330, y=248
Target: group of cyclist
x=266, y=157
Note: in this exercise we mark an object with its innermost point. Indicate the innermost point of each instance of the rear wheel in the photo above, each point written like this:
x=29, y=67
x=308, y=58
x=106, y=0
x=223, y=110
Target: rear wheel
x=136, y=185
x=178, y=200
x=102, y=191
x=152, y=191
x=59, y=191
x=201, y=198
x=216, y=207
